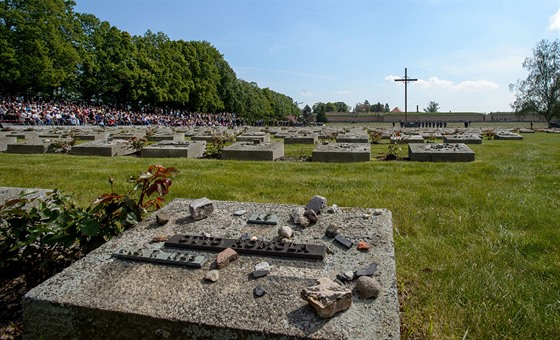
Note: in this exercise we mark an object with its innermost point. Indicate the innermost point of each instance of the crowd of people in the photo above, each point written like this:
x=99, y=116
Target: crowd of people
x=40, y=112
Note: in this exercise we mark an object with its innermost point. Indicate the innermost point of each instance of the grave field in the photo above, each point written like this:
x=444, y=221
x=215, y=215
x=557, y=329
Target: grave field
x=476, y=243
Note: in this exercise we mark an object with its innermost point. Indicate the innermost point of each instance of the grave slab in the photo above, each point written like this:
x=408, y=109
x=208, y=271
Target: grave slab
x=177, y=137
x=262, y=137
x=465, y=139
x=341, y=152
x=4, y=141
x=352, y=138
x=508, y=136
x=107, y=148
x=301, y=139
x=101, y=295
x=169, y=149
x=254, y=151
x=408, y=139
x=32, y=146
x=458, y=152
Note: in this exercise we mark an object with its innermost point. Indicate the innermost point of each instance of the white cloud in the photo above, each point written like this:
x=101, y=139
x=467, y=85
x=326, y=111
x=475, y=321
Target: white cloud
x=554, y=21
x=342, y=92
x=392, y=78
x=436, y=83
x=305, y=93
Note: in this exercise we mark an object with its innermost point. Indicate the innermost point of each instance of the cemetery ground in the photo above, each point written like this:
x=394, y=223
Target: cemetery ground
x=477, y=244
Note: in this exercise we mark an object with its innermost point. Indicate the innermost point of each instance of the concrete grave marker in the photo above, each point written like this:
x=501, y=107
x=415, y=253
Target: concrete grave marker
x=341, y=152
x=440, y=153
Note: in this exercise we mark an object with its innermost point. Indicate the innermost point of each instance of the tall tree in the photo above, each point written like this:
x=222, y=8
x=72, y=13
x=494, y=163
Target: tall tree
x=540, y=92
x=38, y=39
x=433, y=107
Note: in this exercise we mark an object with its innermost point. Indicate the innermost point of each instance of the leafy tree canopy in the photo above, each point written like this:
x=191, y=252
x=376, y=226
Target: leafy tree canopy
x=540, y=92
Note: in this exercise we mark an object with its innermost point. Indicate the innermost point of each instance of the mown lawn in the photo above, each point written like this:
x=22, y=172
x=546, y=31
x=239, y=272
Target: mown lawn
x=477, y=244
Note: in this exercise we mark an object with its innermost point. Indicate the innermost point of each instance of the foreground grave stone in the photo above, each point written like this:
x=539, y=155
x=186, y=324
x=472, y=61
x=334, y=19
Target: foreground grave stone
x=341, y=152
x=102, y=295
x=458, y=152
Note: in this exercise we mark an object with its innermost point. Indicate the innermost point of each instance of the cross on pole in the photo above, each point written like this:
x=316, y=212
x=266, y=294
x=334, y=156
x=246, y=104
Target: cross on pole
x=406, y=80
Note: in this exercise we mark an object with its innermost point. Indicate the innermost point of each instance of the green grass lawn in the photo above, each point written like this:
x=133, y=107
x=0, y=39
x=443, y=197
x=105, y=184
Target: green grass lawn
x=477, y=244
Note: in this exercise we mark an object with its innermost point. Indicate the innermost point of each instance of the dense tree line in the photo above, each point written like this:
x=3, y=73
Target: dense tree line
x=47, y=50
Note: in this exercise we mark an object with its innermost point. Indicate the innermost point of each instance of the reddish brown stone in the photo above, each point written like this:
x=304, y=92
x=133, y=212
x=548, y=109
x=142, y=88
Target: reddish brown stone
x=160, y=238
x=225, y=257
x=363, y=245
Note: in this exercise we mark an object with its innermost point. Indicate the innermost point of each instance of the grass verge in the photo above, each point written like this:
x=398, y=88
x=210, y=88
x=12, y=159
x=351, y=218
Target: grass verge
x=476, y=243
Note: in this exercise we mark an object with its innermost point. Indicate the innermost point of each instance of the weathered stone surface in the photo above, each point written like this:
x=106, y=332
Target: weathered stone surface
x=368, y=287
x=328, y=297
x=201, y=208
x=225, y=257
x=299, y=218
x=162, y=218
x=311, y=215
x=213, y=275
x=98, y=292
x=285, y=232
x=317, y=204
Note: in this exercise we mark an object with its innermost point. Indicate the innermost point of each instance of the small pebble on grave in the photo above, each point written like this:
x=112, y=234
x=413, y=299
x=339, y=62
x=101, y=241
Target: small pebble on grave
x=212, y=275
x=261, y=269
x=225, y=257
x=367, y=271
x=160, y=238
x=368, y=287
x=162, y=218
x=285, y=232
x=259, y=291
x=332, y=231
x=311, y=215
x=363, y=245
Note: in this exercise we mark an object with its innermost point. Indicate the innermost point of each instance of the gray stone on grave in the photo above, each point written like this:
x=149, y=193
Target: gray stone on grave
x=526, y=131
x=341, y=152
x=352, y=138
x=106, y=148
x=31, y=146
x=177, y=137
x=465, y=139
x=301, y=139
x=101, y=294
x=262, y=137
x=250, y=151
x=508, y=136
x=170, y=149
x=4, y=141
x=457, y=152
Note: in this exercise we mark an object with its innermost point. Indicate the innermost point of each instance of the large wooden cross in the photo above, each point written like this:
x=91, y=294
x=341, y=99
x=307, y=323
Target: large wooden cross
x=406, y=80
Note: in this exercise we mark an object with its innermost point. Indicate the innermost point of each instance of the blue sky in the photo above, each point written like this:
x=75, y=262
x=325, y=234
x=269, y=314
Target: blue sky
x=463, y=53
